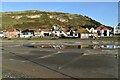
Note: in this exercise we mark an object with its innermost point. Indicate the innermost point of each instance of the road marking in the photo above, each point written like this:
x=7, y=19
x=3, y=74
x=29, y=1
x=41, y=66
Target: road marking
x=17, y=60
x=46, y=56
x=11, y=59
x=23, y=61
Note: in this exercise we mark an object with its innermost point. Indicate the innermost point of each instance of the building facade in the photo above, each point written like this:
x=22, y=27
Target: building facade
x=103, y=31
x=11, y=33
x=117, y=29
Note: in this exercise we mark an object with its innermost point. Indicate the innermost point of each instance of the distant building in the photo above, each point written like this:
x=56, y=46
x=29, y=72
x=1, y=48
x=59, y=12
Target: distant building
x=103, y=30
x=27, y=33
x=59, y=33
x=83, y=33
x=92, y=32
x=117, y=29
x=46, y=33
x=11, y=33
x=37, y=34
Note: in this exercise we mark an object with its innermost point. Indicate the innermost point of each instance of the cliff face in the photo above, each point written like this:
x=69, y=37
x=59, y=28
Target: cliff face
x=35, y=19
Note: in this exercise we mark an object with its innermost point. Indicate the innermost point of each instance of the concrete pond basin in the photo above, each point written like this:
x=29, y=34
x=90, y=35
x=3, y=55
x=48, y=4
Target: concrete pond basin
x=60, y=59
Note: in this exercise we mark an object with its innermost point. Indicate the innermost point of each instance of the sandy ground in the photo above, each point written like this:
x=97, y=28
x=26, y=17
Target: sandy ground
x=19, y=61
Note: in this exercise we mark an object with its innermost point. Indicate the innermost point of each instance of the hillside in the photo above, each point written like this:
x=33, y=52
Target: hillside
x=34, y=19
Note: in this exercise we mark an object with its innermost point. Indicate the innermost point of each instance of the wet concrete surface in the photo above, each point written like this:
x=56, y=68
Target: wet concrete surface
x=60, y=63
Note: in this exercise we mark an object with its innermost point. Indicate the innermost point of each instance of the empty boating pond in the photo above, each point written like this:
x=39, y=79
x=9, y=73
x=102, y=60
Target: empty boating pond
x=75, y=59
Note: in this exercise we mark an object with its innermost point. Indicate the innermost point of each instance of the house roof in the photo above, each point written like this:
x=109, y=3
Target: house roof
x=27, y=30
x=10, y=30
x=82, y=30
x=102, y=27
x=118, y=24
x=65, y=29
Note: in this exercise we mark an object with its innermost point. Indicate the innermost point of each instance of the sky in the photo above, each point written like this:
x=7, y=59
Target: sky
x=60, y=0
x=103, y=12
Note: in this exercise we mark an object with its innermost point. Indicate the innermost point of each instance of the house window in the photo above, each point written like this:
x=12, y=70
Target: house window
x=105, y=33
x=46, y=34
x=98, y=33
x=116, y=31
x=60, y=31
x=75, y=34
x=25, y=33
x=1, y=32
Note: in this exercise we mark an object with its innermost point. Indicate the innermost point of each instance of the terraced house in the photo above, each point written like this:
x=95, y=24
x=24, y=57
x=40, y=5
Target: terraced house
x=103, y=31
x=11, y=33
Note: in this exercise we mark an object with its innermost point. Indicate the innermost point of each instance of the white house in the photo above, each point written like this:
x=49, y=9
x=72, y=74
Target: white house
x=84, y=33
x=84, y=36
x=92, y=32
x=103, y=31
x=72, y=33
x=27, y=33
x=117, y=29
x=59, y=33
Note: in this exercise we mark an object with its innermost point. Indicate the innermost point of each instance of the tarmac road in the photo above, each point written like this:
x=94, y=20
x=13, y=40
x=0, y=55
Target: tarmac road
x=57, y=63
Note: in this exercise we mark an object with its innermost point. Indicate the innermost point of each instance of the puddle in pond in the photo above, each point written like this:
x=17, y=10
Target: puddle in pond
x=63, y=46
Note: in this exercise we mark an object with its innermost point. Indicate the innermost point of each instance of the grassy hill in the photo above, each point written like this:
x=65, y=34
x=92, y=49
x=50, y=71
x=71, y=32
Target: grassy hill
x=34, y=19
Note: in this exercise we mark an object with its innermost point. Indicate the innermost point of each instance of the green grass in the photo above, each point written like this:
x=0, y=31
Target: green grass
x=25, y=22
x=109, y=38
x=26, y=39
x=65, y=39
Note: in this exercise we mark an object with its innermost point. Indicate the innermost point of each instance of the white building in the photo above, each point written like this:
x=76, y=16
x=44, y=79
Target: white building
x=117, y=29
x=92, y=30
x=59, y=33
x=27, y=33
x=103, y=31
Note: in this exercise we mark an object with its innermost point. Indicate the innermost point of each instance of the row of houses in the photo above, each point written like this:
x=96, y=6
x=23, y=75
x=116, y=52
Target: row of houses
x=56, y=31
